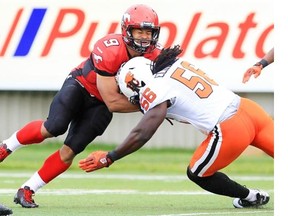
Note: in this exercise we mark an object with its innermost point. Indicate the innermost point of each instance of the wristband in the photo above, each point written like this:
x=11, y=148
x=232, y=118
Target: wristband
x=263, y=62
x=112, y=155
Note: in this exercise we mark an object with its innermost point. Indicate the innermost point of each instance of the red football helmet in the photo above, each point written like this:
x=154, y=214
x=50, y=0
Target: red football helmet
x=142, y=17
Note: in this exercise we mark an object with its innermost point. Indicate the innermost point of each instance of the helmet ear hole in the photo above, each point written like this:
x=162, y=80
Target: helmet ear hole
x=133, y=75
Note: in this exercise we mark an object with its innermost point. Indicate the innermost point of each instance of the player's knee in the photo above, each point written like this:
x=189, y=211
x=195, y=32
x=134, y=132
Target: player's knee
x=67, y=154
x=56, y=128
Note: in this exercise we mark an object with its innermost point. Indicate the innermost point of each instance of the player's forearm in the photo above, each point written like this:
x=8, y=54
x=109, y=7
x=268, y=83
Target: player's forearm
x=121, y=105
x=142, y=133
x=115, y=101
x=131, y=144
x=267, y=59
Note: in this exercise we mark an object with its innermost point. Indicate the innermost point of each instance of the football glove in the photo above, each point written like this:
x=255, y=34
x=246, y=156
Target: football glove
x=96, y=160
x=256, y=70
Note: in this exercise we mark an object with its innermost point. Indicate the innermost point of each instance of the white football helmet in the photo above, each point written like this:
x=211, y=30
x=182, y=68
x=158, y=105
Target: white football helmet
x=133, y=75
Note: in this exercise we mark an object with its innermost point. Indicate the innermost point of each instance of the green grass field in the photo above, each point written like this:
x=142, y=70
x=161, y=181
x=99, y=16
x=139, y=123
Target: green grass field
x=148, y=182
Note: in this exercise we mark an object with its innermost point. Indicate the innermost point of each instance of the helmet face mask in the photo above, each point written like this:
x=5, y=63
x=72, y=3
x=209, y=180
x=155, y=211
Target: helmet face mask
x=140, y=17
x=133, y=75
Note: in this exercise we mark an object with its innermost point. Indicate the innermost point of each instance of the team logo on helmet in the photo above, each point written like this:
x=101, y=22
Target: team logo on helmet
x=133, y=75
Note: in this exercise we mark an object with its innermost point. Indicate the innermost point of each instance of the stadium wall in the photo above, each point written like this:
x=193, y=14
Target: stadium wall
x=18, y=108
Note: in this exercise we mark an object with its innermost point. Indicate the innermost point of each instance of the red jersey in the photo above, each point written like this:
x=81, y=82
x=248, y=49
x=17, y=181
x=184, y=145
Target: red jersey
x=106, y=58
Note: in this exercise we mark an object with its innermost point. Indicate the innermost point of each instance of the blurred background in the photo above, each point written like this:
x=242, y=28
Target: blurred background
x=41, y=41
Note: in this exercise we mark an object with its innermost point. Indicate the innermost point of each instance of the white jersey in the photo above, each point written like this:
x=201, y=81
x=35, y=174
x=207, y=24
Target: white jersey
x=194, y=97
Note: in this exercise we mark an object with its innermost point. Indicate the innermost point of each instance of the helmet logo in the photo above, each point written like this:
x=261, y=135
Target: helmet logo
x=126, y=18
x=131, y=82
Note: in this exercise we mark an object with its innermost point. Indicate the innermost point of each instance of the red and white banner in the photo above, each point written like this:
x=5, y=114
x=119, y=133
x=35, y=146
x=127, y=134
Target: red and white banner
x=41, y=41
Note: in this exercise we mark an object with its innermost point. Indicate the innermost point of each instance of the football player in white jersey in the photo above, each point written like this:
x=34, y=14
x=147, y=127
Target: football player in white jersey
x=173, y=88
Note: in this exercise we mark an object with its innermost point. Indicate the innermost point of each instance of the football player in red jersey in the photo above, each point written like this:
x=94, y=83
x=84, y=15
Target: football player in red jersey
x=87, y=99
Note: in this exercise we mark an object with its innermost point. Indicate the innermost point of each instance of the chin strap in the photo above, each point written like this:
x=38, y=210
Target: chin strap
x=169, y=121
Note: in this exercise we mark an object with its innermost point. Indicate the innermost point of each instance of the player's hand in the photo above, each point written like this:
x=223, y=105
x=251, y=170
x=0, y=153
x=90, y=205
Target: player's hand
x=256, y=70
x=96, y=160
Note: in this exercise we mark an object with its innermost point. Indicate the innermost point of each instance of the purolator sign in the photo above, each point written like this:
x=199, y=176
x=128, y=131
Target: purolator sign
x=40, y=42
